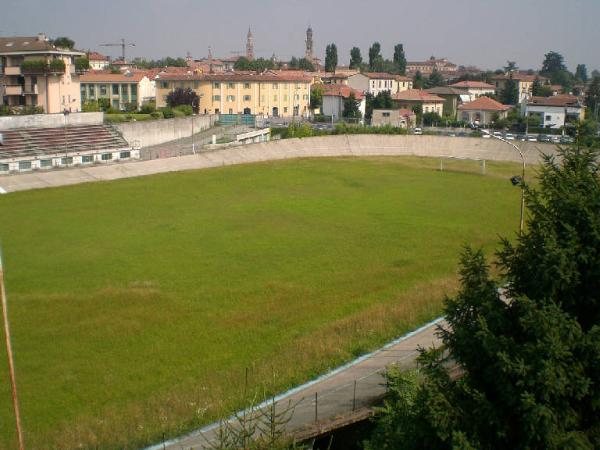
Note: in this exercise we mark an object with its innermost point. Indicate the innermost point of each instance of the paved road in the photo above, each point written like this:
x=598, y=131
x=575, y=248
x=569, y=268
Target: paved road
x=350, y=387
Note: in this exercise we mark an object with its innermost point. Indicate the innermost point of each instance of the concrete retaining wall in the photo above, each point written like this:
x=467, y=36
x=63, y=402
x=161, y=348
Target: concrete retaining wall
x=155, y=132
x=50, y=120
x=349, y=145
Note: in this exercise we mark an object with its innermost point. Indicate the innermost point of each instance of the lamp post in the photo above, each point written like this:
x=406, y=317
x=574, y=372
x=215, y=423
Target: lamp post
x=11, y=364
x=516, y=181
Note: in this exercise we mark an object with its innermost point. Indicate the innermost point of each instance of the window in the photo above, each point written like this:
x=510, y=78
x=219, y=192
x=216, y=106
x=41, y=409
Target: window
x=285, y=110
x=548, y=118
x=115, y=89
x=66, y=160
x=24, y=165
x=216, y=98
x=297, y=85
x=86, y=159
x=92, y=91
x=133, y=89
x=246, y=85
x=230, y=85
x=296, y=97
x=231, y=98
x=124, y=92
x=106, y=156
x=3, y=167
x=230, y=111
x=385, y=114
x=275, y=86
x=305, y=97
x=45, y=163
x=164, y=84
x=103, y=90
x=124, y=155
x=216, y=85
x=247, y=98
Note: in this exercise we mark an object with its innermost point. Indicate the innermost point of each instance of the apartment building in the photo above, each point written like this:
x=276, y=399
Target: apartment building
x=524, y=83
x=433, y=63
x=121, y=88
x=98, y=61
x=418, y=98
x=33, y=72
x=555, y=112
x=376, y=82
x=270, y=93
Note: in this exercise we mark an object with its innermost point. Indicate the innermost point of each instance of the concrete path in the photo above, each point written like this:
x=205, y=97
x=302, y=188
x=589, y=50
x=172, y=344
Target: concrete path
x=343, y=145
x=356, y=385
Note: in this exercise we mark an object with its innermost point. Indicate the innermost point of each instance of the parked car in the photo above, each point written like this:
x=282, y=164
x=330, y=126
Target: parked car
x=497, y=134
x=509, y=137
x=485, y=134
x=451, y=134
x=544, y=138
x=521, y=137
x=566, y=140
x=555, y=139
x=462, y=134
x=417, y=131
x=532, y=138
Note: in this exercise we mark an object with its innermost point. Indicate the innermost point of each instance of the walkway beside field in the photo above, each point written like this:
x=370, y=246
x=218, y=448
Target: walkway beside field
x=320, y=404
x=330, y=146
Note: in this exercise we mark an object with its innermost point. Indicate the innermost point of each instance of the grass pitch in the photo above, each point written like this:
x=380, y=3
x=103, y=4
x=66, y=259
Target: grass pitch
x=138, y=304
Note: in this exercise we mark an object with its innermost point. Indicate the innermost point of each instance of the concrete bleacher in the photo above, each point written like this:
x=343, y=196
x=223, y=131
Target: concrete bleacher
x=39, y=142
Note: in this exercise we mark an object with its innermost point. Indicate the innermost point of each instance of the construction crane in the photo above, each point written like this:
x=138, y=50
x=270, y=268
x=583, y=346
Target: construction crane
x=121, y=44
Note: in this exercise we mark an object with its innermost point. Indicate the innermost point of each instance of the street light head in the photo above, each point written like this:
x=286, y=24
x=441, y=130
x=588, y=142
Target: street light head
x=516, y=180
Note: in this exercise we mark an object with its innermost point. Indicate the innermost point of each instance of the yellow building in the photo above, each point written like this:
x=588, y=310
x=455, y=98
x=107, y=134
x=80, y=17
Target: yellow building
x=35, y=73
x=523, y=81
x=270, y=93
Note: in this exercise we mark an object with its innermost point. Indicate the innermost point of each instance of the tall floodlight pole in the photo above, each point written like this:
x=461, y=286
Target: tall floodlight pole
x=522, y=183
x=11, y=366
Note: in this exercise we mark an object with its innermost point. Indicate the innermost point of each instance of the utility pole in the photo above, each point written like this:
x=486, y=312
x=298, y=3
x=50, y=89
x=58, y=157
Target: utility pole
x=9, y=353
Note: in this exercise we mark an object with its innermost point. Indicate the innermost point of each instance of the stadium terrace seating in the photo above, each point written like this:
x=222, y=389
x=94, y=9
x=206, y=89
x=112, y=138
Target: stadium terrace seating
x=37, y=142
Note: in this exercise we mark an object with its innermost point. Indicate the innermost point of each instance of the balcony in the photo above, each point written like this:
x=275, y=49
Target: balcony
x=31, y=90
x=12, y=70
x=13, y=90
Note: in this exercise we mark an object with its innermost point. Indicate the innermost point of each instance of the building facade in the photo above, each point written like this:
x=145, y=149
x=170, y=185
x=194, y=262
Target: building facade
x=453, y=98
x=475, y=89
x=429, y=103
x=524, y=83
x=121, y=89
x=555, y=112
x=98, y=61
x=375, y=82
x=433, y=63
x=334, y=96
x=271, y=93
x=35, y=73
x=401, y=118
x=483, y=111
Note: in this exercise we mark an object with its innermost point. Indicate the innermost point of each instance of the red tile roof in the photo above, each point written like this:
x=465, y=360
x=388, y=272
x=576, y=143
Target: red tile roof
x=557, y=100
x=484, y=104
x=341, y=90
x=519, y=76
x=272, y=76
x=417, y=95
x=473, y=84
x=97, y=76
x=386, y=76
x=95, y=56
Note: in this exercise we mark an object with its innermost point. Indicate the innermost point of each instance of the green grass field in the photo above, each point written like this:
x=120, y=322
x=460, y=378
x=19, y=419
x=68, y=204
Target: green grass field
x=137, y=305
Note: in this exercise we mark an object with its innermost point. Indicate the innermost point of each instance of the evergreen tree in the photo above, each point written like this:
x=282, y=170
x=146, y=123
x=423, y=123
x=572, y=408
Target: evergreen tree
x=527, y=373
x=375, y=59
x=510, y=94
x=294, y=63
x=435, y=79
x=540, y=90
x=355, y=58
x=511, y=66
x=305, y=64
x=182, y=96
x=592, y=98
x=581, y=75
x=418, y=81
x=553, y=62
x=400, y=59
x=64, y=42
x=351, y=108
x=331, y=58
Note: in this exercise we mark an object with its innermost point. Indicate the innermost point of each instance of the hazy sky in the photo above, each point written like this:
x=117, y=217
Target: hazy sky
x=471, y=32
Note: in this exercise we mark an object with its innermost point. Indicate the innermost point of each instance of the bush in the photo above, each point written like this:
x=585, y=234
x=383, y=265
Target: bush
x=131, y=107
x=178, y=113
x=90, y=107
x=35, y=66
x=156, y=115
x=148, y=108
x=56, y=65
x=185, y=109
x=82, y=64
x=167, y=113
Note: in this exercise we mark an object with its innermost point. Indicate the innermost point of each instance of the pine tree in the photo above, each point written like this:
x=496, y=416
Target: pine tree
x=375, y=59
x=355, y=58
x=400, y=59
x=331, y=58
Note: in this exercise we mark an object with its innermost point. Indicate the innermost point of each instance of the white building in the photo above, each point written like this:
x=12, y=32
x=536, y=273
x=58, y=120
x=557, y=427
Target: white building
x=334, y=96
x=554, y=112
x=475, y=89
x=98, y=61
x=376, y=82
